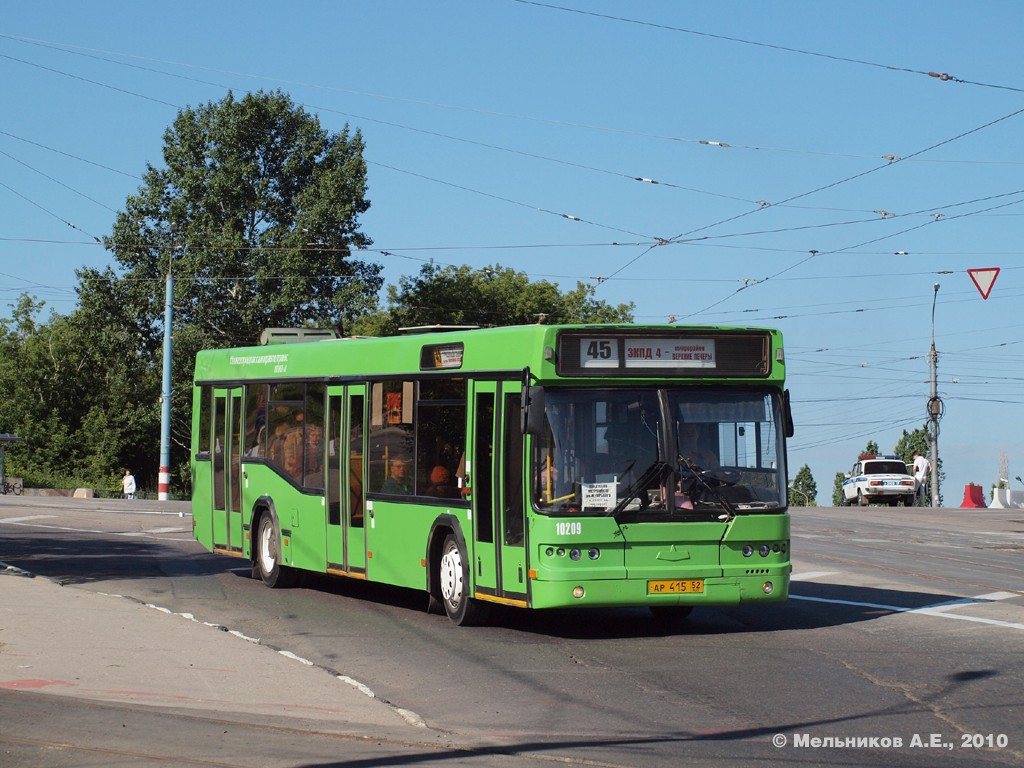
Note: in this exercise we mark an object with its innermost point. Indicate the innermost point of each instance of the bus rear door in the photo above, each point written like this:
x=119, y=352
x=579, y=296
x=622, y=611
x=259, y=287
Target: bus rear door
x=227, y=470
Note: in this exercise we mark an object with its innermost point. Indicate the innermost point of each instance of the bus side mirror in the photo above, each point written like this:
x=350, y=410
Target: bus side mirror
x=787, y=414
x=534, y=420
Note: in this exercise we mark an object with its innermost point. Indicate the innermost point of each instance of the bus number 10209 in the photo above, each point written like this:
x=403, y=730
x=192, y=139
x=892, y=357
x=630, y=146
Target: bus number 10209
x=568, y=529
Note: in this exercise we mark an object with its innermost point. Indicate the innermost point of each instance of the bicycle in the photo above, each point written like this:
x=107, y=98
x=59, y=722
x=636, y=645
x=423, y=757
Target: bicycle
x=16, y=488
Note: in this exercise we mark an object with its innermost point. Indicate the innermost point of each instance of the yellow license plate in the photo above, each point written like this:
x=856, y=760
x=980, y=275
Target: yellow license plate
x=674, y=586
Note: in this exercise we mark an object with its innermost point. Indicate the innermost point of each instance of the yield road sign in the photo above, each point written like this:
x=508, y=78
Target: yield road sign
x=984, y=279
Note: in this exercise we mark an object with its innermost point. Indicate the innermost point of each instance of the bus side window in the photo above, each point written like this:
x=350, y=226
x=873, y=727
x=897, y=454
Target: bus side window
x=313, y=462
x=440, y=437
x=391, y=437
x=205, y=422
x=286, y=423
x=255, y=420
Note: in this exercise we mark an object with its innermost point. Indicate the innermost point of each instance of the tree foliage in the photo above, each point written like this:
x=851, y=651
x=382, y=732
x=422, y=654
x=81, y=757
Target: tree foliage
x=917, y=441
x=910, y=442
x=805, y=487
x=495, y=295
x=837, y=489
x=255, y=213
x=78, y=412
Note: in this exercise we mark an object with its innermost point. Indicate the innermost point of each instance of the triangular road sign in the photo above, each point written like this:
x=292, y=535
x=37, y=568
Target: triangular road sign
x=984, y=279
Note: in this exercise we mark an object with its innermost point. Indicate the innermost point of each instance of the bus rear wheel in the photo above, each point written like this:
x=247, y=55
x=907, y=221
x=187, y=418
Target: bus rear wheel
x=268, y=555
x=453, y=575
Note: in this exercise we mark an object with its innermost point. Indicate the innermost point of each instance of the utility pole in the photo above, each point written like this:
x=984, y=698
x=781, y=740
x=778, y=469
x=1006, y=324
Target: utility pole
x=934, y=410
x=164, y=480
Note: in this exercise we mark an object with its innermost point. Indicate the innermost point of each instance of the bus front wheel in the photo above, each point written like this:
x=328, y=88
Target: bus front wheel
x=268, y=555
x=453, y=576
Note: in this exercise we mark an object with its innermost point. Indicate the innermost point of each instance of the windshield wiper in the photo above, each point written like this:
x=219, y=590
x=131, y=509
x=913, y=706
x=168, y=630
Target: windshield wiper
x=701, y=476
x=653, y=474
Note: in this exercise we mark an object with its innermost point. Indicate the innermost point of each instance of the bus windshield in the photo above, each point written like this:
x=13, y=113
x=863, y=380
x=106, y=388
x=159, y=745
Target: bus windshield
x=680, y=453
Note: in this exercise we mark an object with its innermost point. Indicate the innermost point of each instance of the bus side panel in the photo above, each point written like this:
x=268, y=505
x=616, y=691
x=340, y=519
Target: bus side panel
x=202, y=502
x=396, y=541
x=309, y=549
x=262, y=482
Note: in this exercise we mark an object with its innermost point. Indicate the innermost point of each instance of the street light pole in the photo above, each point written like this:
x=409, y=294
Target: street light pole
x=807, y=499
x=934, y=409
x=164, y=480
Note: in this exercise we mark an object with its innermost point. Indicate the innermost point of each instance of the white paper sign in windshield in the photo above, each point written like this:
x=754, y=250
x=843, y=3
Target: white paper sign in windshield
x=598, y=495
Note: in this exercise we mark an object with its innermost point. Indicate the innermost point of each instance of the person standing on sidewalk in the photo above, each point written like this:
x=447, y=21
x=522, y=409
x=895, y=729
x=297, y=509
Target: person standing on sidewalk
x=128, y=484
x=920, y=477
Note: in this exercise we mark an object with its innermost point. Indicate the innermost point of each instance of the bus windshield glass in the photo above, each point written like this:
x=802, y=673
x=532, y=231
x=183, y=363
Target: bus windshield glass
x=680, y=453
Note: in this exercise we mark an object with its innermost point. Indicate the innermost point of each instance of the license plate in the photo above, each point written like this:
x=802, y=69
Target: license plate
x=674, y=586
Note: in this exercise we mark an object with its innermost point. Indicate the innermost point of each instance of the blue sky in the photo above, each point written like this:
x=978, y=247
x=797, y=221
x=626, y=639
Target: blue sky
x=509, y=132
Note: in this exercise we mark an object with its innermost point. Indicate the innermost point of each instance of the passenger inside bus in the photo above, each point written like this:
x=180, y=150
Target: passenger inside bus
x=441, y=485
x=398, y=479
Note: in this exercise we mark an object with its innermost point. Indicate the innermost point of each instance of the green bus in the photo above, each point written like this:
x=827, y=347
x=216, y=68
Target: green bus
x=531, y=466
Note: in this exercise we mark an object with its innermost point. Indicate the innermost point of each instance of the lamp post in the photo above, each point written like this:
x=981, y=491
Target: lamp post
x=934, y=409
x=807, y=501
x=164, y=480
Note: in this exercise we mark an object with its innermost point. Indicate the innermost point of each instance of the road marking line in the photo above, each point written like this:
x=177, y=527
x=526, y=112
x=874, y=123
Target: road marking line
x=811, y=575
x=937, y=609
x=24, y=519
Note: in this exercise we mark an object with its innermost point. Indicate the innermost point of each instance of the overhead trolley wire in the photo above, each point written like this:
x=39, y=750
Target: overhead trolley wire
x=941, y=76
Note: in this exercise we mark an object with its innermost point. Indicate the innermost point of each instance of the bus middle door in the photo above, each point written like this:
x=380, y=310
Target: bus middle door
x=511, y=532
x=346, y=499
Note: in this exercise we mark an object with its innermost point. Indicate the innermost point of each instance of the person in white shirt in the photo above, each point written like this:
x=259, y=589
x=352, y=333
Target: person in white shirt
x=921, y=468
x=128, y=484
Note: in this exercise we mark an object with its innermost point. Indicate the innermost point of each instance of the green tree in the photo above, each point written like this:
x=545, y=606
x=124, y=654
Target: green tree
x=837, y=490
x=256, y=214
x=806, y=490
x=496, y=295
x=910, y=442
x=871, y=449
x=73, y=409
x=917, y=441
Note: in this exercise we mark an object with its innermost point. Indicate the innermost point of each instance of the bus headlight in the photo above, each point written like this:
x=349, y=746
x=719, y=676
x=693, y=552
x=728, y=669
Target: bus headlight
x=577, y=592
x=767, y=587
x=747, y=550
x=593, y=553
x=574, y=553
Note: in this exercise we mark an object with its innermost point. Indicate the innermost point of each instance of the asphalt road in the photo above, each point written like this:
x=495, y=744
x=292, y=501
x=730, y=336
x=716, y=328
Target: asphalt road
x=901, y=644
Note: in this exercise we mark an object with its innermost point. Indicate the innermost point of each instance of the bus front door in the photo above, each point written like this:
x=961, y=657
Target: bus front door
x=346, y=501
x=227, y=470
x=496, y=480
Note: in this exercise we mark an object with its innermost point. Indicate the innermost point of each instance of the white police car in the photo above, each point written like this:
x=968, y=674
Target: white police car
x=882, y=479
